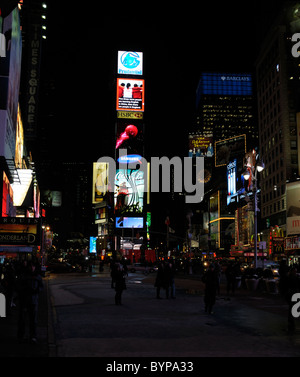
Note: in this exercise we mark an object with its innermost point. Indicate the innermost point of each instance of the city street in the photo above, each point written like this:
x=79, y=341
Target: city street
x=86, y=321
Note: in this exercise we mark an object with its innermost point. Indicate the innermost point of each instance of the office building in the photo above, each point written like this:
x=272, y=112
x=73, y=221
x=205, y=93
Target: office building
x=278, y=92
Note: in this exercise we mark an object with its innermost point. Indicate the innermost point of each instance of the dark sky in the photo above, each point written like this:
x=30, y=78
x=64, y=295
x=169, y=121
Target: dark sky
x=178, y=43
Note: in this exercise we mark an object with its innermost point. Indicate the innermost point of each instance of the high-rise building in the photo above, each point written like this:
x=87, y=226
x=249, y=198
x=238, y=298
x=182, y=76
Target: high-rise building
x=278, y=92
x=225, y=106
x=225, y=129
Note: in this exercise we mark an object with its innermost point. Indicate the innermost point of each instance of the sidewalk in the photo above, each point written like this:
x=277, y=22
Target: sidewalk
x=9, y=344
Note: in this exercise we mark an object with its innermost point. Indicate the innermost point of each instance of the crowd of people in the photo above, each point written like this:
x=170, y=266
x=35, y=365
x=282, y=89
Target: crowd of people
x=21, y=284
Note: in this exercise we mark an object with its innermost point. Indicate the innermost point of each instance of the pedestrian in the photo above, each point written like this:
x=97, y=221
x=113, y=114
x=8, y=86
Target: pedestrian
x=120, y=283
x=160, y=279
x=172, y=280
x=210, y=279
x=30, y=285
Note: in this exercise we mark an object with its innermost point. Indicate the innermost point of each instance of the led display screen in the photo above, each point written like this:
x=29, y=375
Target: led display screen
x=130, y=94
x=130, y=136
x=129, y=222
x=228, y=149
x=93, y=248
x=129, y=191
x=100, y=181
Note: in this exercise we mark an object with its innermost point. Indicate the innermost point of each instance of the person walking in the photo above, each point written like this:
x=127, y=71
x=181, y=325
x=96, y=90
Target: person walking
x=30, y=285
x=120, y=283
x=160, y=279
x=210, y=279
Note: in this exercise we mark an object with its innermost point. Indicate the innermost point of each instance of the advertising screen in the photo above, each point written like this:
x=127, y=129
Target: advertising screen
x=228, y=149
x=7, y=198
x=130, y=63
x=93, y=245
x=130, y=95
x=130, y=136
x=129, y=191
x=231, y=181
x=20, y=231
x=129, y=222
x=100, y=181
x=200, y=145
x=292, y=208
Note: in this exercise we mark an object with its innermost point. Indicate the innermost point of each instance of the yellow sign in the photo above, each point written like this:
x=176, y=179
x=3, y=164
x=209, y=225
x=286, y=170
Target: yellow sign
x=130, y=115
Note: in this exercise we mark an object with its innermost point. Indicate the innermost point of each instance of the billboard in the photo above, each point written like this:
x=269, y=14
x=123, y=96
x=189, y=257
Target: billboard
x=52, y=198
x=130, y=136
x=100, y=181
x=293, y=208
x=130, y=63
x=93, y=248
x=19, y=149
x=129, y=191
x=228, y=149
x=130, y=115
x=130, y=95
x=20, y=231
x=231, y=180
x=10, y=72
x=129, y=222
x=7, y=198
x=224, y=84
x=200, y=146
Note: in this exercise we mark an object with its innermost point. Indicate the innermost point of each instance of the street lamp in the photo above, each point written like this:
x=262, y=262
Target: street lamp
x=252, y=166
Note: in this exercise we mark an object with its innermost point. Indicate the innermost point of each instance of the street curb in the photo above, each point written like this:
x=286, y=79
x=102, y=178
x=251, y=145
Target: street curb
x=52, y=350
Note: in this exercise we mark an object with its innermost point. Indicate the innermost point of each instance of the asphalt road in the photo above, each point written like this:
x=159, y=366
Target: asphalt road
x=87, y=323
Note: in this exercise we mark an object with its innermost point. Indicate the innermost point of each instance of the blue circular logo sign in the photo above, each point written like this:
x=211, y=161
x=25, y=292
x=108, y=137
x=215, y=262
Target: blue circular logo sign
x=130, y=59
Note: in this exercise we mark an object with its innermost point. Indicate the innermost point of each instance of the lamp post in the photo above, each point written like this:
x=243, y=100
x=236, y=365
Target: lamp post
x=253, y=166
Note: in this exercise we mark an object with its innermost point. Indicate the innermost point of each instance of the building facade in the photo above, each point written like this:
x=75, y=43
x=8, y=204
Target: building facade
x=278, y=103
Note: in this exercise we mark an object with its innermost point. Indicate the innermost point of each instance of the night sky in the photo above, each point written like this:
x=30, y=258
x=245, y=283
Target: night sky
x=178, y=43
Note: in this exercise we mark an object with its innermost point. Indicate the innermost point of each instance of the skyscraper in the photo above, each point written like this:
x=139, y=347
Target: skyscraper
x=225, y=106
x=278, y=91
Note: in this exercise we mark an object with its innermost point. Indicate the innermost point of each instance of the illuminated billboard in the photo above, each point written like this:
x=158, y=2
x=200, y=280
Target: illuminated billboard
x=129, y=191
x=228, y=149
x=100, y=181
x=7, y=198
x=130, y=63
x=130, y=95
x=52, y=198
x=20, y=231
x=292, y=208
x=93, y=241
x=129, y=222
x=200, y=145
x=130, y=136
x=231, y=181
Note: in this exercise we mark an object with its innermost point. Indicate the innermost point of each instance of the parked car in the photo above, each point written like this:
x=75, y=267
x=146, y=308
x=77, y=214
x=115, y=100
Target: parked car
x=141, y=267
